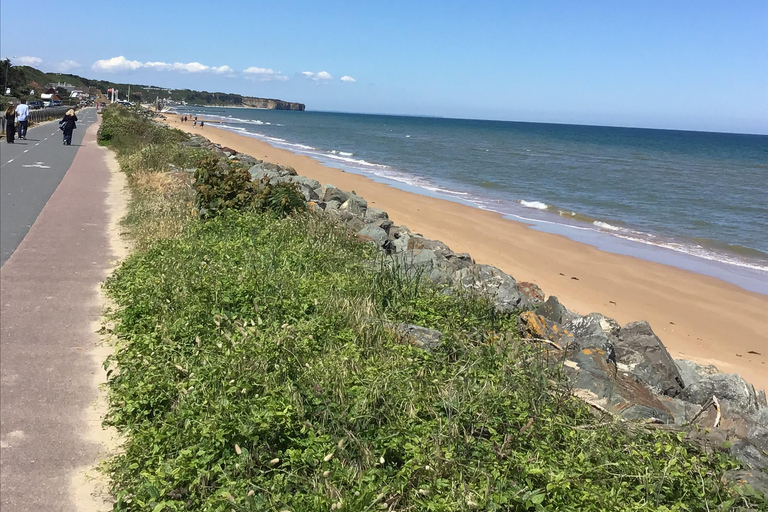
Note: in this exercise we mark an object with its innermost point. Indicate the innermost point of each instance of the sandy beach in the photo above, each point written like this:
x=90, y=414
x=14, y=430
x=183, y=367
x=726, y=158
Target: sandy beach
x=699, y=318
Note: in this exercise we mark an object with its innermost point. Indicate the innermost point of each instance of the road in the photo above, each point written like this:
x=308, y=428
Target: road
x=30, y=170
x=50, y=311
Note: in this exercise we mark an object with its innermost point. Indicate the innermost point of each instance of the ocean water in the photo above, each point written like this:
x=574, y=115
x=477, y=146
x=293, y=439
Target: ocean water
x=695, y=200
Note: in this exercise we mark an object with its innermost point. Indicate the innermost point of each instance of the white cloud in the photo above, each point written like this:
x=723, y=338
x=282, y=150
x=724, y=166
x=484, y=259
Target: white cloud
x=347, y=78
x=320, y=76
x=123, y=64
x=264, y=74
x=67, y=65
x=116, y=64
x=27, y=61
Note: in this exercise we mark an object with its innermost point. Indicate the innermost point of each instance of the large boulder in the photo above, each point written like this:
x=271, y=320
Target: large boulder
x=692, y=372
x=555, y=311
x=730, y=387
x=374, y=215
x=419, y=337
x=424, y=262
x=493, y=283
x=331, y=193
x=355, y=205
x=536, y=327
x=593, y=331
x=595, y=379
x=641, y=353
x=378, y=235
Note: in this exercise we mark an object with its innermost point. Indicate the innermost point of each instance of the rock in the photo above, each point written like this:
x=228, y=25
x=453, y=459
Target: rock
x=495, y=284
x=730, y=387
x=595, y=379
x=539, y=327
x=555, y=311
x=419, y=242
x=259, y=172
x=374, y=215
x=430, y=264
x=400, y=236
x=592, y=331
x=532, y=291
x=460, y=260
x=307, y=182
x=378, y=235
x=308, y=193
x=692, y=372
x=332, y=205
x=419, y=337
x=641, y=353
x=354, y=204
x=757, y=480
x=748, y=454
x=331, y=193
x=384, y=224
x=682, y=412
x=351, y=221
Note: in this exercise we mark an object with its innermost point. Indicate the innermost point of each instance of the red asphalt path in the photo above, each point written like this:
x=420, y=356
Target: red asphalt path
x=48, y=301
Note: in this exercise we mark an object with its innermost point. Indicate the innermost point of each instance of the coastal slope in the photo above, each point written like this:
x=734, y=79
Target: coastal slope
x=697, y=317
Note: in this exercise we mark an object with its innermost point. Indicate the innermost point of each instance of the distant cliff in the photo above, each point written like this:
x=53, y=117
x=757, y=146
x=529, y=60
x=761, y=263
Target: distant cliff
x=271, y=104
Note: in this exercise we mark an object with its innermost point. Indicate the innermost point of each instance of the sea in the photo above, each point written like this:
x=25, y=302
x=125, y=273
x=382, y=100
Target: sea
x=694, y=200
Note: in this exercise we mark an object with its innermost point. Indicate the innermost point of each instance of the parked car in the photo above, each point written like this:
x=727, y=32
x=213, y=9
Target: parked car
x=56, y=103
x=35, y=104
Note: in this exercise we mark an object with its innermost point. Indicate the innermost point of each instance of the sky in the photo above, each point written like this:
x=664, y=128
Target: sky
x=690, y=65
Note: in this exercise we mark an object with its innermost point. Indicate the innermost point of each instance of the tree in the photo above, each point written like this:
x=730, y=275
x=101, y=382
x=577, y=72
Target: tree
x=34, y=86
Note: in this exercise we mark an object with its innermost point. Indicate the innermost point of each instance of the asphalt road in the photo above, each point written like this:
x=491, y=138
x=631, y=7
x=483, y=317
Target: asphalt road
x=30, y=170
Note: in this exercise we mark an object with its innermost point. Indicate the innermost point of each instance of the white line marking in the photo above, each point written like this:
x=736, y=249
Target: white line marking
x=11, y=160
x=45, y=138
x=26, y=150
x=38, y=164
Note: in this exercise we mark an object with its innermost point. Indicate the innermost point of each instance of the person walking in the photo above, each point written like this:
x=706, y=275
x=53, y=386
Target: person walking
x=10, y=127
x=68, y=124
x=22, y=117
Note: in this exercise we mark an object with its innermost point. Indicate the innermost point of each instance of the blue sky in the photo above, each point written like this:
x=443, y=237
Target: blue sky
x=698, y=65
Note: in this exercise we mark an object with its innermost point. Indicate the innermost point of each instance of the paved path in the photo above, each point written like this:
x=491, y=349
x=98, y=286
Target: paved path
x=30, y=170
x=48, y=303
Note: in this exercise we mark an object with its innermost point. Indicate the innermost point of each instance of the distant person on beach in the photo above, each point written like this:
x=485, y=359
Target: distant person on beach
x=22, y=116
x=195, y=123
x=69, y=125
x=10, y=127
x=202, y=123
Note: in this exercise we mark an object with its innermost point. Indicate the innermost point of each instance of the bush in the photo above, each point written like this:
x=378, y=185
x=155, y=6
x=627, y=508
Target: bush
x=221, y=186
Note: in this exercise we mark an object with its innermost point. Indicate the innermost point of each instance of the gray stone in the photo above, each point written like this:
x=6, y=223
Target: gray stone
x=424, y=262
x=331, y=193
x=641, y=353
x=748, y=454
x=532, y=291
x=493, y=283
x=757, y=480
x=595, y=380
x=692, y=372
x=308, y=182
x=308, y=193
x=725, y=386
x=419, y=337
x=591, y=331
x=259, y=172
x=384, y=224
x=332, y=205
x=378, y=235
x=400, y=236
x=374, y=214
x=682, y=412
x=354, y=204
x=555, y=311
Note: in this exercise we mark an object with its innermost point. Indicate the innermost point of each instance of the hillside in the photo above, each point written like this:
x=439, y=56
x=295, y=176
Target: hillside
x=20, y=78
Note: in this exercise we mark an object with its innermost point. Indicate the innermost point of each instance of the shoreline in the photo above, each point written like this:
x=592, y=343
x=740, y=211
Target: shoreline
x=698, y=317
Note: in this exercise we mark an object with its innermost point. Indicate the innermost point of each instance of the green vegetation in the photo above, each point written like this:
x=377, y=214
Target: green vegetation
x=258, y=367
x=20, y=78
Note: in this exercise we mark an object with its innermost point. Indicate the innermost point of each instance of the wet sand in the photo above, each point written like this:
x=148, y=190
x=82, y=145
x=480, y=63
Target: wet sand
x=699, y=318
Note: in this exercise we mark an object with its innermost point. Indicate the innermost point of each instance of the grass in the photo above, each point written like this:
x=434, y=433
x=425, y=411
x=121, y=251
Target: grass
x=257, y=369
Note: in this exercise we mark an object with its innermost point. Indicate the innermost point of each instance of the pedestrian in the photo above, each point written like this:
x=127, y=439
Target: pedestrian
x=22, y=116
x=10, y=127
x=202, y=123
x=68, y=124
x=195, y=123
